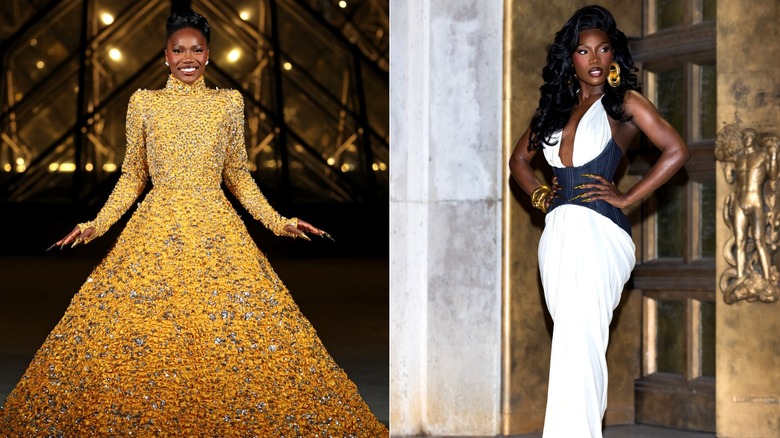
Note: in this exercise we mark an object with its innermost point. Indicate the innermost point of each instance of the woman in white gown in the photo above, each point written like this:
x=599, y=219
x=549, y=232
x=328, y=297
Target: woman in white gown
x=589, y=111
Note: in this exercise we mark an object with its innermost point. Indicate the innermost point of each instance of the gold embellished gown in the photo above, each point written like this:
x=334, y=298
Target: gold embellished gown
x=184, y=329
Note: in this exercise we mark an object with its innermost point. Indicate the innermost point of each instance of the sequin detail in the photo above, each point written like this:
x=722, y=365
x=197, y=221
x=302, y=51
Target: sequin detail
x=184, y=329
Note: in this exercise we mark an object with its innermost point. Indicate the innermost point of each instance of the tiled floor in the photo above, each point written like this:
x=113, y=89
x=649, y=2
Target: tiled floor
x=641, y=431
x=345, y=299
x=631, y=431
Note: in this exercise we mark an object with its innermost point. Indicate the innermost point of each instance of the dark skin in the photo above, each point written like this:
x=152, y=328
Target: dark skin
x=187, y=55
x=591, y=62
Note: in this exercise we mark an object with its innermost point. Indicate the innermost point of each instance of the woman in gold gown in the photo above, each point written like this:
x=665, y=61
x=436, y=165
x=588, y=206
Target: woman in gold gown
x=184, y=328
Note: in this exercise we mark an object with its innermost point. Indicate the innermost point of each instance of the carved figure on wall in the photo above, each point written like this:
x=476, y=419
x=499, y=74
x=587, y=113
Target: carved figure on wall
x=749, y=161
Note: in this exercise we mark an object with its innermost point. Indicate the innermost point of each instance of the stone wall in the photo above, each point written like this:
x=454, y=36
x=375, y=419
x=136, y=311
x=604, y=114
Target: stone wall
x=445, y=207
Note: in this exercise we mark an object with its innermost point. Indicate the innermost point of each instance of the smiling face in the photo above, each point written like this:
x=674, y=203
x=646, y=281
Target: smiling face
x=592, y=57
x=186, y=52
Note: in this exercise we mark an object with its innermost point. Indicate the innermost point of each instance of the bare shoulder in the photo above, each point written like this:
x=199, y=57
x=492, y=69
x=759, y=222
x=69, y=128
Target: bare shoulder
x=636, y=104
x=637, y=110
x=642, y=113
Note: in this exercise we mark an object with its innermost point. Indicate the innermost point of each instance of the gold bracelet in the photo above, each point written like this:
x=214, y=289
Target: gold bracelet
x=539, y=196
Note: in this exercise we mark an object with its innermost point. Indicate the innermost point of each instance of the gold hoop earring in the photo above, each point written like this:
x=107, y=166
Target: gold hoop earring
x=614, y=75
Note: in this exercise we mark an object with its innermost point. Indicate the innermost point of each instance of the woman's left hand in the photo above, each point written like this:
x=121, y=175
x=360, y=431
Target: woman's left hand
x=603, y=190
x=303, y=228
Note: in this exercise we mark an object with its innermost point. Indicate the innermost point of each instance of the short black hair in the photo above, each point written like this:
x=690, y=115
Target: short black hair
x=187, y=19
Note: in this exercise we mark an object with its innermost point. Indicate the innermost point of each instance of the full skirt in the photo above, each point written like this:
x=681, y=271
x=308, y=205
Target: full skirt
x=185, y=329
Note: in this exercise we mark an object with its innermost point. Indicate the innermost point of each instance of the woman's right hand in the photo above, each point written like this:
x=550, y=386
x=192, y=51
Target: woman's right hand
x=553, y=192
x=75, y=237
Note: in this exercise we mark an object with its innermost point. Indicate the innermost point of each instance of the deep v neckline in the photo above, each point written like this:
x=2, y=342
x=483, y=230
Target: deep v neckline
x=576, y=131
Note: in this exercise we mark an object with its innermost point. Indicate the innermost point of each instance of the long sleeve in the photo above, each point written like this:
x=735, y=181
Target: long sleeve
x=238, y=179
x=134, y=172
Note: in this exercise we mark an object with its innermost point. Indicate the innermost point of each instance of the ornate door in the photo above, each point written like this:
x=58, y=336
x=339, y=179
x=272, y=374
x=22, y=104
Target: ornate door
x=676, y=270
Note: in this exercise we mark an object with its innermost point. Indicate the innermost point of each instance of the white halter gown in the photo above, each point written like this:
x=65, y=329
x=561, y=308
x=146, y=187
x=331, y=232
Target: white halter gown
x=585, y=259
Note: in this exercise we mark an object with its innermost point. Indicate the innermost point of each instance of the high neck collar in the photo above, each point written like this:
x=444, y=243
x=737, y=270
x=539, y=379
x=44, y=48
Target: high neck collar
x=180, y=87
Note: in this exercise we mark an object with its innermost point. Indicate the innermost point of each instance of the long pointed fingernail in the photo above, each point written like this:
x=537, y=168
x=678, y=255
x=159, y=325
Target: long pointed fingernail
x=581, y=195
x=76, y=242
x=589, y=175
x=327, y=236
x=587, y=200
x=579, y=186
x=52, y=246
x=304, y=236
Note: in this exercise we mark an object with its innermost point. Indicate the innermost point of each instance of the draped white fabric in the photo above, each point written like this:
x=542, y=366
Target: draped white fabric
x=585, y=260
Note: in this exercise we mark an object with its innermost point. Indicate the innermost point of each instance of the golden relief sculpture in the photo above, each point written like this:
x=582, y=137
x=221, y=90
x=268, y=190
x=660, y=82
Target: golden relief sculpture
x=749, y=162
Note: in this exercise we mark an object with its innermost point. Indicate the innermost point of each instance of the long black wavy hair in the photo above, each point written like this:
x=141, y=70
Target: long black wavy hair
x=559, y=92
x=187, y=19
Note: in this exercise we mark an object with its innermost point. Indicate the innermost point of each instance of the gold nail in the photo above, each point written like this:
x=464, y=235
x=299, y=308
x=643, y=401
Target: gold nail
x=52, y=246
x=76, y=242
x=304, y=236
x=589, y=175
x=579, y=186
x=327, y=236
x=581, y=195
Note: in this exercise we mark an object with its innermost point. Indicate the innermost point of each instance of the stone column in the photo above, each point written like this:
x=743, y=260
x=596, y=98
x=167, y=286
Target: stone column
x=748, y=334
x=445, y=208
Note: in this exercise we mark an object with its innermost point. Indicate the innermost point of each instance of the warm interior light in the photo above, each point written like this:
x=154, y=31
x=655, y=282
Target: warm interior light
x=382, y=166
x=115, y=54
x=53, y=167
x=89, y=167
x=287, y=66
x=375, y=167
x=21, y=168
x=7, y=167
x=40, y=64
x=20, y=161
x=244, y=15
x=109, y=167
x=106, y=18
x=233, y=55
x=331, y=161
x=343, y=4
x=34, y=42
x=67, y=167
